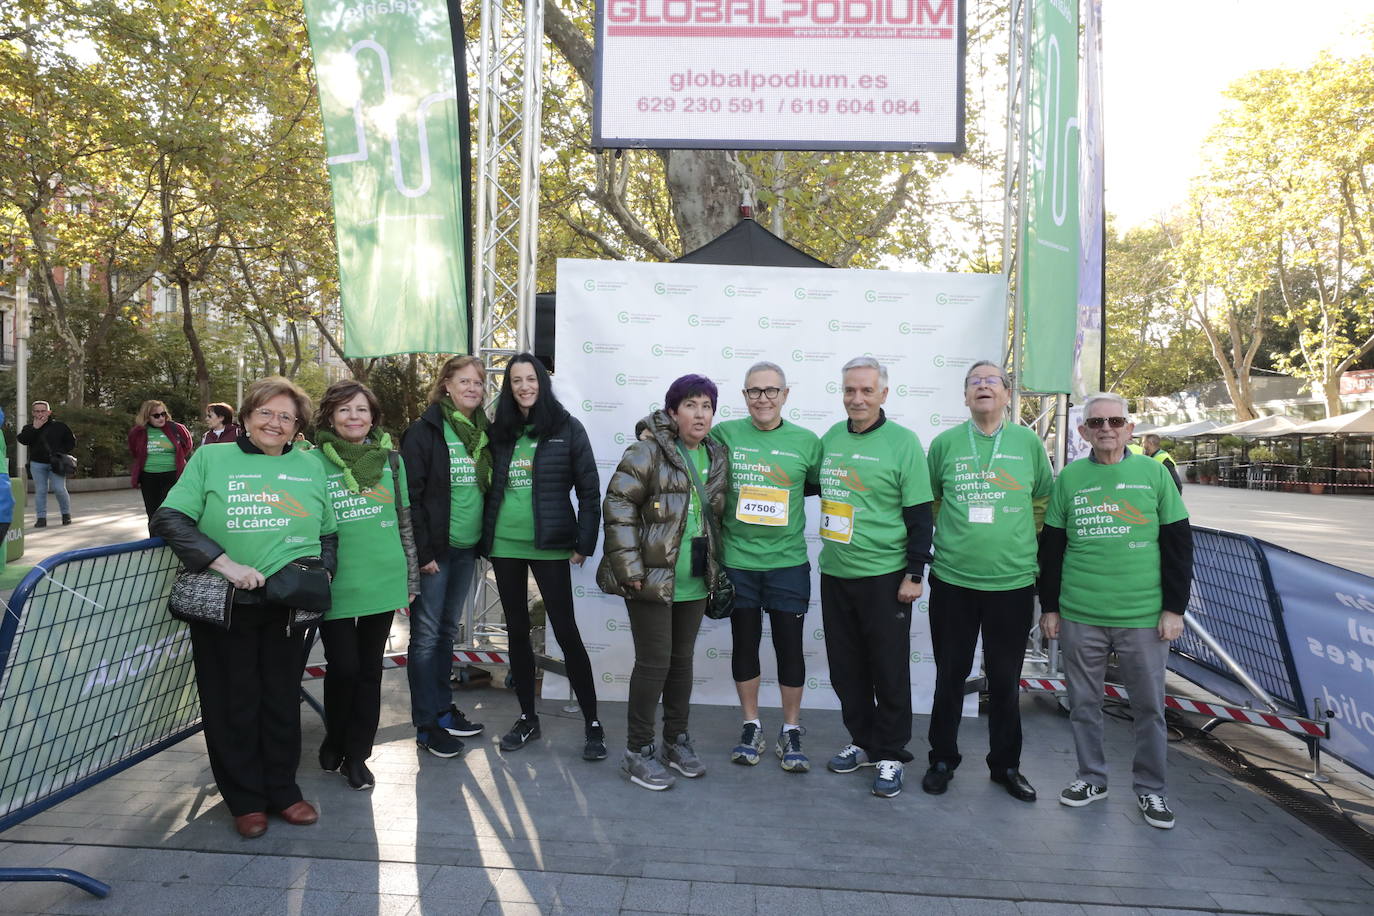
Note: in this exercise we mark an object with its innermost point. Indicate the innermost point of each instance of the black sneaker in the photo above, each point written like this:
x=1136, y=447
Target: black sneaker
x=40, y=523
x=521, y=733
x=937, y=778
x=66, y=519
x=457, y=724
x=358, y=775
x=595, y=748
x=436, y=739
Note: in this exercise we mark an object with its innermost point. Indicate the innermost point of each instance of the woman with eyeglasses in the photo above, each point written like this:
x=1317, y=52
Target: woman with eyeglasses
x=772, y=464
x=220, y=425
x=246, y=511
x=378, y=572
x=660, y=556
x=540, y=453
x=448, y=469
x=158, y=448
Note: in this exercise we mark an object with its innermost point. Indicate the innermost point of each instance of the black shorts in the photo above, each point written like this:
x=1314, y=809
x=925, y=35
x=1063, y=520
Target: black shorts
x=786, y=589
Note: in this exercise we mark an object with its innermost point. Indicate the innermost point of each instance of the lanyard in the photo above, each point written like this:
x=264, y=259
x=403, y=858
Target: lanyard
x=973, y=447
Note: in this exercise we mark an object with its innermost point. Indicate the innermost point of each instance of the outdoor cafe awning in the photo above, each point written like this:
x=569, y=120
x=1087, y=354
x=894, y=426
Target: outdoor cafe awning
x=1186, y=430
x=1357, y=423
x=1258, y=428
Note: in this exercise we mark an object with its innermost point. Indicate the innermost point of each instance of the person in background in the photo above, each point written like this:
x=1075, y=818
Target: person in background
x=219, y=418
x=1151, y=449
x=539, y=454
x=158, y=450
x=448, y=470
x=772, y=463
x=45, y=435
x=659, y=557
x=378, y=571
x=248, y=676
x=6, y=495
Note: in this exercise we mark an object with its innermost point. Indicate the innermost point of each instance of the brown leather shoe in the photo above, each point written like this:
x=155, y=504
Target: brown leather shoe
x=300, y=814
x=251, y=825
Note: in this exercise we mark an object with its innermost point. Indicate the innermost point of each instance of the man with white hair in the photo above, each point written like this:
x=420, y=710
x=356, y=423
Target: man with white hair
x=875, y=537
x=1116, y=566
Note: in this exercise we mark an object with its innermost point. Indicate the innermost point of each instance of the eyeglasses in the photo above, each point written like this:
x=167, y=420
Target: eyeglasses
x=1099, y=422
x=992, y=381
x=770, y=393
x=265, y=414
x=160, y=413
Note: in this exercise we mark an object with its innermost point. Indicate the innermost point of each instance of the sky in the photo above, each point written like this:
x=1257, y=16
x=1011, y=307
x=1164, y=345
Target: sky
x=1165, y=65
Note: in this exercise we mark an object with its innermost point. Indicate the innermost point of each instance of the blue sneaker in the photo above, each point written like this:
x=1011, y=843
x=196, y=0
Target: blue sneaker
x=888, y=782
x=790, y=752
x=455, y=723
x=849, y=759
x=750, y=747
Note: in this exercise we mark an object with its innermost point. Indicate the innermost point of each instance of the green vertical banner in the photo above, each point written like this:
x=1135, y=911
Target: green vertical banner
x=1048, y=285
x=395, y=132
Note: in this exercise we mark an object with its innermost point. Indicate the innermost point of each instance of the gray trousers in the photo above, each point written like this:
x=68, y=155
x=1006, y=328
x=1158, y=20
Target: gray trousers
x=1142, y=657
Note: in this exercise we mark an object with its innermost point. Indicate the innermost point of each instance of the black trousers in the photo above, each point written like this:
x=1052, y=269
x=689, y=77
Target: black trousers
x=746, y=633
x=554, y=579
x=353, y=648
x=957, y=616
x=248, y=678
x=868, y=645
x=155, y=488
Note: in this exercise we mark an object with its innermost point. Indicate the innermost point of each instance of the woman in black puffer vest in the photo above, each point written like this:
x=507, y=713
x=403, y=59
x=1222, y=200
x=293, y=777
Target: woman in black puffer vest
x=540, y=453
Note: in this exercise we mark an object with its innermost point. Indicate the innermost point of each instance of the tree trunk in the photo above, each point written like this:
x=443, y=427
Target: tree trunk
x=188, y=326
x=706, y=188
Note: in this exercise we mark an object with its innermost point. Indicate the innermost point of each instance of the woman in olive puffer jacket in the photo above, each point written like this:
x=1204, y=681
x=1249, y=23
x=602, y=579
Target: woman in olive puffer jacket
x=652, y=515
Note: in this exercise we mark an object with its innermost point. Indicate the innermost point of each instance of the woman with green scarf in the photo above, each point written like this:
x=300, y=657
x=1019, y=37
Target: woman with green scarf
x=378, y=571
x=448, y=471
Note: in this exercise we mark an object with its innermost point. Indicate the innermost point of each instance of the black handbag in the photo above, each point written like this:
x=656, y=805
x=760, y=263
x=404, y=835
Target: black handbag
x=303, y=586
x=720, y=594
x=202, y=597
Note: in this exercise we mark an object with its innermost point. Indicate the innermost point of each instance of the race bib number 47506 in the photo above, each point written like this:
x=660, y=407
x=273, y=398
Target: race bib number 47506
x=762, y=506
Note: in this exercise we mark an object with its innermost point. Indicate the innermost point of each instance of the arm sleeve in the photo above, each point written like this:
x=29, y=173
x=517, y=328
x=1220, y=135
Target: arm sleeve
x=417, y=474
x=1173, y=472
x=68, y=439
x=587, y=483
x=1176, y=565
x=625, y=493
x=1044, y=483
x=194, y=549
x=25, y=435
x=919, y=527
x=1053, y=542
x=329, y=551
x=403, y=524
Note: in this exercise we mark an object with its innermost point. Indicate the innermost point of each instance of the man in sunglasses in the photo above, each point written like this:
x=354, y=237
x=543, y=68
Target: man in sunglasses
x=1115, y=519
x=991, y=481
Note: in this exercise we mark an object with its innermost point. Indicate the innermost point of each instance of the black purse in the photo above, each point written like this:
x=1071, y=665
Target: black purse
x=303, y=586
x=202, y=597
x=720, y=595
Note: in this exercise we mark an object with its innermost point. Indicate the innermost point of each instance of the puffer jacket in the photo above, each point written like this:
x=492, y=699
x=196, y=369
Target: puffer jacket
x=645, y=512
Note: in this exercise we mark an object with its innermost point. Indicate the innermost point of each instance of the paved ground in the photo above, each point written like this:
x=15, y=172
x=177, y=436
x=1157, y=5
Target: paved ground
x=541, y=831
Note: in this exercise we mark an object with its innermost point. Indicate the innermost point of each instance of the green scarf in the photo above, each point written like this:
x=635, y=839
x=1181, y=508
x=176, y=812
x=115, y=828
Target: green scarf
x=362, y=462
x=473, y=434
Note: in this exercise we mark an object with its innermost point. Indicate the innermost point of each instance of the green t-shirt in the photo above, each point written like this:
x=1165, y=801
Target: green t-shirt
x=264, y=510
x=162, y=455
x=464, y=498
x=866, y=480
x=372, y=575
x=988, y=508
x=765, y=514
x=1111, y=514
x=687, y=587
x=514, y=535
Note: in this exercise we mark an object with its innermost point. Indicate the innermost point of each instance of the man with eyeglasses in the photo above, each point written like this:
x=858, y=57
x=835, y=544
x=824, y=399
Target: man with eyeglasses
x=1116, y=566
x=991, y=481
x=773, y=467
x=48, y=439
x=875, y=537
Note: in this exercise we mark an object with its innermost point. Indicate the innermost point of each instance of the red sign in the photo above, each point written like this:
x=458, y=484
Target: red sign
x=1358, y=382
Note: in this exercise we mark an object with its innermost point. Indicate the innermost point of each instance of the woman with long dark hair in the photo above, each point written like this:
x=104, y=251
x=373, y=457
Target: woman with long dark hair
x=540, y=453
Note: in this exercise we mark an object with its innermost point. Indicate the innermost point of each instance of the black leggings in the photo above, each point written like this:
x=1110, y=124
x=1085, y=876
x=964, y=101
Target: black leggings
x=353, y=648
x=746, y=628
x=155, y=487
x=555, y=586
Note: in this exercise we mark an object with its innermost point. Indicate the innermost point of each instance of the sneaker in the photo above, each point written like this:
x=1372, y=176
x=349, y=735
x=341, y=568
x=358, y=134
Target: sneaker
x=40, y=523
x=330, y=759
x=1081, y=792
x=1156, y=811
x=66, y=519
x=937, y=778
x=750, y=747
x=358, y=775
x=682, y=757
x=789, y=751
x=849, y=759
x=521, y=733
x=643, y=769
x=888, y=782
x=595, y=748
x=437, y=740
x=457, y=724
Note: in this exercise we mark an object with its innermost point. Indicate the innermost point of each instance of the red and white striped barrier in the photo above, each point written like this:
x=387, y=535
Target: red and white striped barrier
x=399, y=659
x=1309, y=728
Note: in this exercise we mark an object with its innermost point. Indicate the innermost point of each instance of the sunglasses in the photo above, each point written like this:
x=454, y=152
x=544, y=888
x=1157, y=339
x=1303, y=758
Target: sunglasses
x=160, y=413
x=1099, y=422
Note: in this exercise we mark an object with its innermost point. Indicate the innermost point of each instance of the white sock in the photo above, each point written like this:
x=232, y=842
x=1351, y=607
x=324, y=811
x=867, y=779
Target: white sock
x=788, y=728
x=754, y=722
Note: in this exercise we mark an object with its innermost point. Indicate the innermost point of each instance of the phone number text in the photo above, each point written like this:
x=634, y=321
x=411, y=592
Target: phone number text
x=745, y=105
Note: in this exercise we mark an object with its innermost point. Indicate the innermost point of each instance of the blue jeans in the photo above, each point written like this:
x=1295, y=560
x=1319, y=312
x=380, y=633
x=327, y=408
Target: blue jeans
x=434, y=618
x=43, y=477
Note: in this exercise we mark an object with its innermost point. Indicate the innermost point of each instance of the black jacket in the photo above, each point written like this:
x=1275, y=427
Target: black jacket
x=427, y=473
x=562, y=462
x=52, y=436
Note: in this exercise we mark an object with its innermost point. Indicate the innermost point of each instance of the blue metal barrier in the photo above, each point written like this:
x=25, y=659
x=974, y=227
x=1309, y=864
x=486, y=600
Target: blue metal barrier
x=94, y=677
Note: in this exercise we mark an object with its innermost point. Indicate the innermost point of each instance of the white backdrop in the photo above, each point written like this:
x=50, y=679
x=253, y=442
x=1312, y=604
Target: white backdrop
x=625, y=330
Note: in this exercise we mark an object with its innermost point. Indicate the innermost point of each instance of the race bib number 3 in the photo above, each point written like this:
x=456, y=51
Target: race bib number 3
x=837, y=521
x=762, y=506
